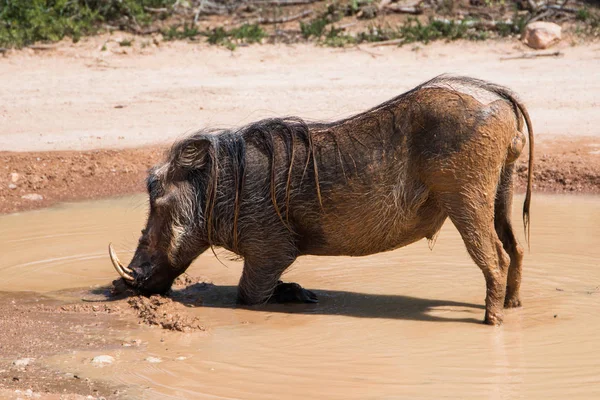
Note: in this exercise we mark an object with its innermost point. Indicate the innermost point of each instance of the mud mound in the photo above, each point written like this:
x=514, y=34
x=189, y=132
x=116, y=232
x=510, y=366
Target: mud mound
x=185, y=280
x=164, y=312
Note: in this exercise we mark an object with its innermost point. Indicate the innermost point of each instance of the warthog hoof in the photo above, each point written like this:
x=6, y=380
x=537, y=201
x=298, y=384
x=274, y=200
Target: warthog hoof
x=493, y=318
x=292, y=293
x=512, y=303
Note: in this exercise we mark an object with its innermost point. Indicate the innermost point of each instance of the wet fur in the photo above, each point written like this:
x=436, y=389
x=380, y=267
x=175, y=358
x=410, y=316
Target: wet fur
x=280, y=188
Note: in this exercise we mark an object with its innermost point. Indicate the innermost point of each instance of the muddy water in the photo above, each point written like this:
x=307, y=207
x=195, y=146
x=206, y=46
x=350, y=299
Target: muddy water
x=404, y=324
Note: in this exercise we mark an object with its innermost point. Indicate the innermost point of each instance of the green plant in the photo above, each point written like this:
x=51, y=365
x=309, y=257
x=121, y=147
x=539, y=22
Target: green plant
x=187, y=32
x=415, y=31
x=315, y=27
x=23, y=22
x=247, y=33
x=583, y=14
x=336, y=38
x=126, y=42
x=377, y=34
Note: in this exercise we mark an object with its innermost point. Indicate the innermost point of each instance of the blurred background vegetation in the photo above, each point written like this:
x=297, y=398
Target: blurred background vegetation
x=331, y=23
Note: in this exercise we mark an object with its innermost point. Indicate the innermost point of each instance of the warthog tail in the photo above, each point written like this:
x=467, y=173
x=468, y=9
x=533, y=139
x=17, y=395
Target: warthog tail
x=520, y=107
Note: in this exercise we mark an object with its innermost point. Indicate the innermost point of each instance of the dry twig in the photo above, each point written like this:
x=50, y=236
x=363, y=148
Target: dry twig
x=42, y=47
x=388, y=43
x=155, y=10
x=282, y=2
x=397, y=8
x=534, y=54
x=282, y=20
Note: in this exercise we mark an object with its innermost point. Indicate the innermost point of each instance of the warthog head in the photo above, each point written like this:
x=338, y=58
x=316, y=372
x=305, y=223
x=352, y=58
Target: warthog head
x=180, y=195
x=187, y=212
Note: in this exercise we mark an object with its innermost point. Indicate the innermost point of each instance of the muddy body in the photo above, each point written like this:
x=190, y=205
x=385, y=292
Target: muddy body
x=281, y=188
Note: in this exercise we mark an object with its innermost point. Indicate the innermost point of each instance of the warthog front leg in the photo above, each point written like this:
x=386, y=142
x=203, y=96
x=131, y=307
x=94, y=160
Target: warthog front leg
x=260, y=283
x=292, y=293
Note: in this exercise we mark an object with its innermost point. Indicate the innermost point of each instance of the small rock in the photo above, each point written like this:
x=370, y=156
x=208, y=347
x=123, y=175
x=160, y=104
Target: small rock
x=541, y=35
x=181, y=358
x=33, y=197
x=103, y=360
x=12, y=186
x=153, y=360
x=368, y=12
x=14, y=177
x=29, y=393
x=23, y=362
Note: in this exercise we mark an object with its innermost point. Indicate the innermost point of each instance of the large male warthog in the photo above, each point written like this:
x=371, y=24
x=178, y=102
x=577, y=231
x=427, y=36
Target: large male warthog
x=280, y=188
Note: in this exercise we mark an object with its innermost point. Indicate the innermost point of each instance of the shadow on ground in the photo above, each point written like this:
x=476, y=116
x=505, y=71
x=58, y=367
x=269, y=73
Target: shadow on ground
x=331, y=302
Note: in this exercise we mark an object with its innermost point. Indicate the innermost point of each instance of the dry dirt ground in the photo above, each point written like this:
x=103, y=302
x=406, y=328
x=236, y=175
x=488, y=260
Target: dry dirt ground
x=79, y=122
x=34, y=326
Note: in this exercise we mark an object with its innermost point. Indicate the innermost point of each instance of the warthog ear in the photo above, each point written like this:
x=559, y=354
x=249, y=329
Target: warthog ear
x=193, y=153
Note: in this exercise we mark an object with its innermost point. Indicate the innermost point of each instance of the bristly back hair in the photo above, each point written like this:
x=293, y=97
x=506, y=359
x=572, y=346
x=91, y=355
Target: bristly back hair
x=204, y=148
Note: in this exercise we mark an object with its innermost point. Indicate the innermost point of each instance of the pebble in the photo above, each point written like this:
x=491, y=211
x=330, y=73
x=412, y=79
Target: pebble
x=153, y=360
x=23, y=362
x=103, y=360
x=181, y=358
x=14, y=177
x=12, y=186
x=33, y=197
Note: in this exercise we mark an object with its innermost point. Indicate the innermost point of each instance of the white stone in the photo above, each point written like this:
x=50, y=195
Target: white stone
x=541, y=35
x=12, y=186
x=23, y=362
x=181, y=358
x=103, y=360
x=153, y=360
x=33, y=197
x=14, y=177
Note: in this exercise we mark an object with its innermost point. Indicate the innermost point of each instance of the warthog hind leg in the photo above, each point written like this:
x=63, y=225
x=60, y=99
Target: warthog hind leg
x=505, y=233
x=475, y=223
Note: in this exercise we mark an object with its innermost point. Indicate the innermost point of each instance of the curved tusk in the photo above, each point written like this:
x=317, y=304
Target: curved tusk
x=123, y=271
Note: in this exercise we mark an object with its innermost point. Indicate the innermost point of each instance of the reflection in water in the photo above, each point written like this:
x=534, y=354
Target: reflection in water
x=403, y=324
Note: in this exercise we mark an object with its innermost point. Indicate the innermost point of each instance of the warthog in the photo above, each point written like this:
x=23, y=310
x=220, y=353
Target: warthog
x=281, y=188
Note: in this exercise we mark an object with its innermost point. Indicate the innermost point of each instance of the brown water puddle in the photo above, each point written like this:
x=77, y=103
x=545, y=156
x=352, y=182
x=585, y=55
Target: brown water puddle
x=404, y=324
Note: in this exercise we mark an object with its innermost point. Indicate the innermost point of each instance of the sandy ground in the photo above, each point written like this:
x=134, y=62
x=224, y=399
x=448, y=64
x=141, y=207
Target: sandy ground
x=34, y=327
x=78, y=97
